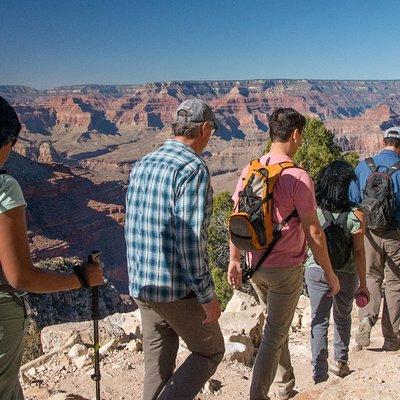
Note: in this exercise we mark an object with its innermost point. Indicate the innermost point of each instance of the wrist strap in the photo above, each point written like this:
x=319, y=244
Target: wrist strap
x=80, y=273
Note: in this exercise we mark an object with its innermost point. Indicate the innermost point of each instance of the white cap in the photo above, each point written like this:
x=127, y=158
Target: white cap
x=393, y=132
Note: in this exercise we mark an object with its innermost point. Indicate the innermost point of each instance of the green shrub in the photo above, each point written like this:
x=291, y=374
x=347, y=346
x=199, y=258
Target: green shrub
x=32, y=343
x=222, y=289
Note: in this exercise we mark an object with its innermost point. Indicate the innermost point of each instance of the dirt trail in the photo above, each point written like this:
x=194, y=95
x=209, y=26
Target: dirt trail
x=375, y=376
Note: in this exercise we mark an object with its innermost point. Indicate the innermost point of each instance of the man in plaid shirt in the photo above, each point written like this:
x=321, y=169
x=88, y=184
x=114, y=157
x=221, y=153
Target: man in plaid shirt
x=169, y=204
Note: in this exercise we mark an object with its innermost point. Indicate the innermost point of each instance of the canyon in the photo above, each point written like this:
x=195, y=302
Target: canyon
x=78, y=143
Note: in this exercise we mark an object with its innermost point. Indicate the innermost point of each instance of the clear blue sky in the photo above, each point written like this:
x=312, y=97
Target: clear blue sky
x=51, y=43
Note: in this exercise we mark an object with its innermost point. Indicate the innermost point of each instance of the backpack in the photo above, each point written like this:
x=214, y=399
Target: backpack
x=378, y=197
x=339, y=241
x=250, y=225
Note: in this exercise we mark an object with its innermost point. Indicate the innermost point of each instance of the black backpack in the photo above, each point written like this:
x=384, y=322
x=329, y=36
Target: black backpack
x=339, y=241
x=378, y=198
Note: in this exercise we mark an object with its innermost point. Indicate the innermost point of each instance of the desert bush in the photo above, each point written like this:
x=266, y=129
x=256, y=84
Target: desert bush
x=32, y=344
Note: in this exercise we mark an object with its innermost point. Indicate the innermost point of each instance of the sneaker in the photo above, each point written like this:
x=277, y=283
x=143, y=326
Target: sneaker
x=364, y=332
x=390, y=346
x=340, y=369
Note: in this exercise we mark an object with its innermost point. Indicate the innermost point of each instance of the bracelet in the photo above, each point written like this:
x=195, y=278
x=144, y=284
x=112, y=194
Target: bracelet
x=80, y=273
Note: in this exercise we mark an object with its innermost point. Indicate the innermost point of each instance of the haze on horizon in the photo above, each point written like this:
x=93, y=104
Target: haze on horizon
x=46, y=44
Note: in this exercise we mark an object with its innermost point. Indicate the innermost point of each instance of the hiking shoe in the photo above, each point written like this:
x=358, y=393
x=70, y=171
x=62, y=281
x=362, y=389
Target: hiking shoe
x=340, y=369
x=390, y=346
x=364, y=331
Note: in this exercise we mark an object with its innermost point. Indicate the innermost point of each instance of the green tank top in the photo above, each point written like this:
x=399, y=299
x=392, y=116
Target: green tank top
x=10, y=197
x=352, y=225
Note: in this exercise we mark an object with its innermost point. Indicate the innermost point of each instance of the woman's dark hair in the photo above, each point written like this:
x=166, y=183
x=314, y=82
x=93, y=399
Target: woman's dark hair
x=332, y=186
x=9, y=123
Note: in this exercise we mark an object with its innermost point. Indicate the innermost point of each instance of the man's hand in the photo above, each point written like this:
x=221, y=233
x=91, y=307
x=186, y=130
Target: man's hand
x=235, y=274
x=94, y=273
x=333, y=282
x=212, y=310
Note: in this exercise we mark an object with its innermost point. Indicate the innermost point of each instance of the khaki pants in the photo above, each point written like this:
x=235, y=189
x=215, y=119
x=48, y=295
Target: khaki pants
x=279, y=290
x=12, y=331
x=382, y=252
x=163, y=323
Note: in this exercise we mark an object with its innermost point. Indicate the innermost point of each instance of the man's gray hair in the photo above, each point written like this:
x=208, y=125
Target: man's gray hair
x=186, y=129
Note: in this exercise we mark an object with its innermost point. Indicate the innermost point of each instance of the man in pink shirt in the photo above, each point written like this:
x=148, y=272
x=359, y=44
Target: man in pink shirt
x=279, y=280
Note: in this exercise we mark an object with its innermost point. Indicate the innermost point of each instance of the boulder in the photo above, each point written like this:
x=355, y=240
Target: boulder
x=249, y=323
x=239, y=338
x=82, y=361
x=135, y=345
x=81, y=332
x=235, y=351
x=77, y=350
x=106, y=349
x=240, y=302
x=246, y=357
x=130, y=322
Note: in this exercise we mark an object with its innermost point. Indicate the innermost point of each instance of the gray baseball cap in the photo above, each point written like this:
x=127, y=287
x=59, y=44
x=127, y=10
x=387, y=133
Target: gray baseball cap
x=195, y=110
x=393, y=132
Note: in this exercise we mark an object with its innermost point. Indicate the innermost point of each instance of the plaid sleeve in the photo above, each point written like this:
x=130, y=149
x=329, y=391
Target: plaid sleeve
x=192, y=219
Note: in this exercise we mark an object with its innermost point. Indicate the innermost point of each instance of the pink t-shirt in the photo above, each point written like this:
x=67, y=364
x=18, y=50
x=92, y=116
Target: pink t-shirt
x=294, y=189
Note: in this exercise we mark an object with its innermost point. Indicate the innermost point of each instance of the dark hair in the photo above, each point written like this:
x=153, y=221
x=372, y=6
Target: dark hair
x=282, y=123
x=332, y=186
x=391, y=141
x=9, y=123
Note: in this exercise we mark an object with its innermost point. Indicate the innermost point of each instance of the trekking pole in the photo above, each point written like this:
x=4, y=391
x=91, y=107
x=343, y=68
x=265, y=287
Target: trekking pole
x=94, y=257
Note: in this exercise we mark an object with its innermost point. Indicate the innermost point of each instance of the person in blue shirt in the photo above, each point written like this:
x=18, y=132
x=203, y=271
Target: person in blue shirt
x=382, y=249
x=168, y=210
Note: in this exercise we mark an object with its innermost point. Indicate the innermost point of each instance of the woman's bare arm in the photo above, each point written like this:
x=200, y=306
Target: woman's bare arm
x=17, y=265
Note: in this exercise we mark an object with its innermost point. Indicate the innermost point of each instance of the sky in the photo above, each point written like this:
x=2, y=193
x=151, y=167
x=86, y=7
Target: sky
x=44, y=44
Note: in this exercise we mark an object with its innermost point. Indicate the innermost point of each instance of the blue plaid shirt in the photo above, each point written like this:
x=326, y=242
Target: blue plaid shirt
x=168, y=210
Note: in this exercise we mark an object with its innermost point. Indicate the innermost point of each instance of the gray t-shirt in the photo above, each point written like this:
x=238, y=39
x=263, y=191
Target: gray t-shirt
x=10, y=197
x=353, y=225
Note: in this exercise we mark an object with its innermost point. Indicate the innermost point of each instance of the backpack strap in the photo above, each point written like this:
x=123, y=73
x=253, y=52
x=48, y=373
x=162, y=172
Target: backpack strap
x=342, y=218
x=328, y=216
x=394, y=168
x=371, y=164
x=249, y=272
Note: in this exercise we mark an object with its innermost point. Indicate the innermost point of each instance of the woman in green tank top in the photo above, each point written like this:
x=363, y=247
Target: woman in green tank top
x=344, y=231
x=17, y=273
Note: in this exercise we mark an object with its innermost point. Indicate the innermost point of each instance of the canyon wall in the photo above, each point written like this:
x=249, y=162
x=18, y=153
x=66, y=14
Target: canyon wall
x=78, y=144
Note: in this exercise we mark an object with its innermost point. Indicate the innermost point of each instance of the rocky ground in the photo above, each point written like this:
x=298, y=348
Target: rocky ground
x=63, y=373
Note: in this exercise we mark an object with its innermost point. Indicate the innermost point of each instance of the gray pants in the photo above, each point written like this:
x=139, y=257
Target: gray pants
x=321, y=306
x=382, y=253
x=163, y=323
x=278, y=290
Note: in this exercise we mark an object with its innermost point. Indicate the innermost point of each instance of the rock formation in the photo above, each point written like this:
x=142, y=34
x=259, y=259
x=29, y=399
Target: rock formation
x=107, y=127
x=73, y=305
x=78, y=144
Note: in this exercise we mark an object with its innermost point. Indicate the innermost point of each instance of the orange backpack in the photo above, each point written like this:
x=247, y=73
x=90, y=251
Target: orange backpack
x=250, y=225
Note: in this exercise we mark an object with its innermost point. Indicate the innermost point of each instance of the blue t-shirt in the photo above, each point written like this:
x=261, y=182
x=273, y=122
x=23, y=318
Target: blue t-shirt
x=383, y=160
